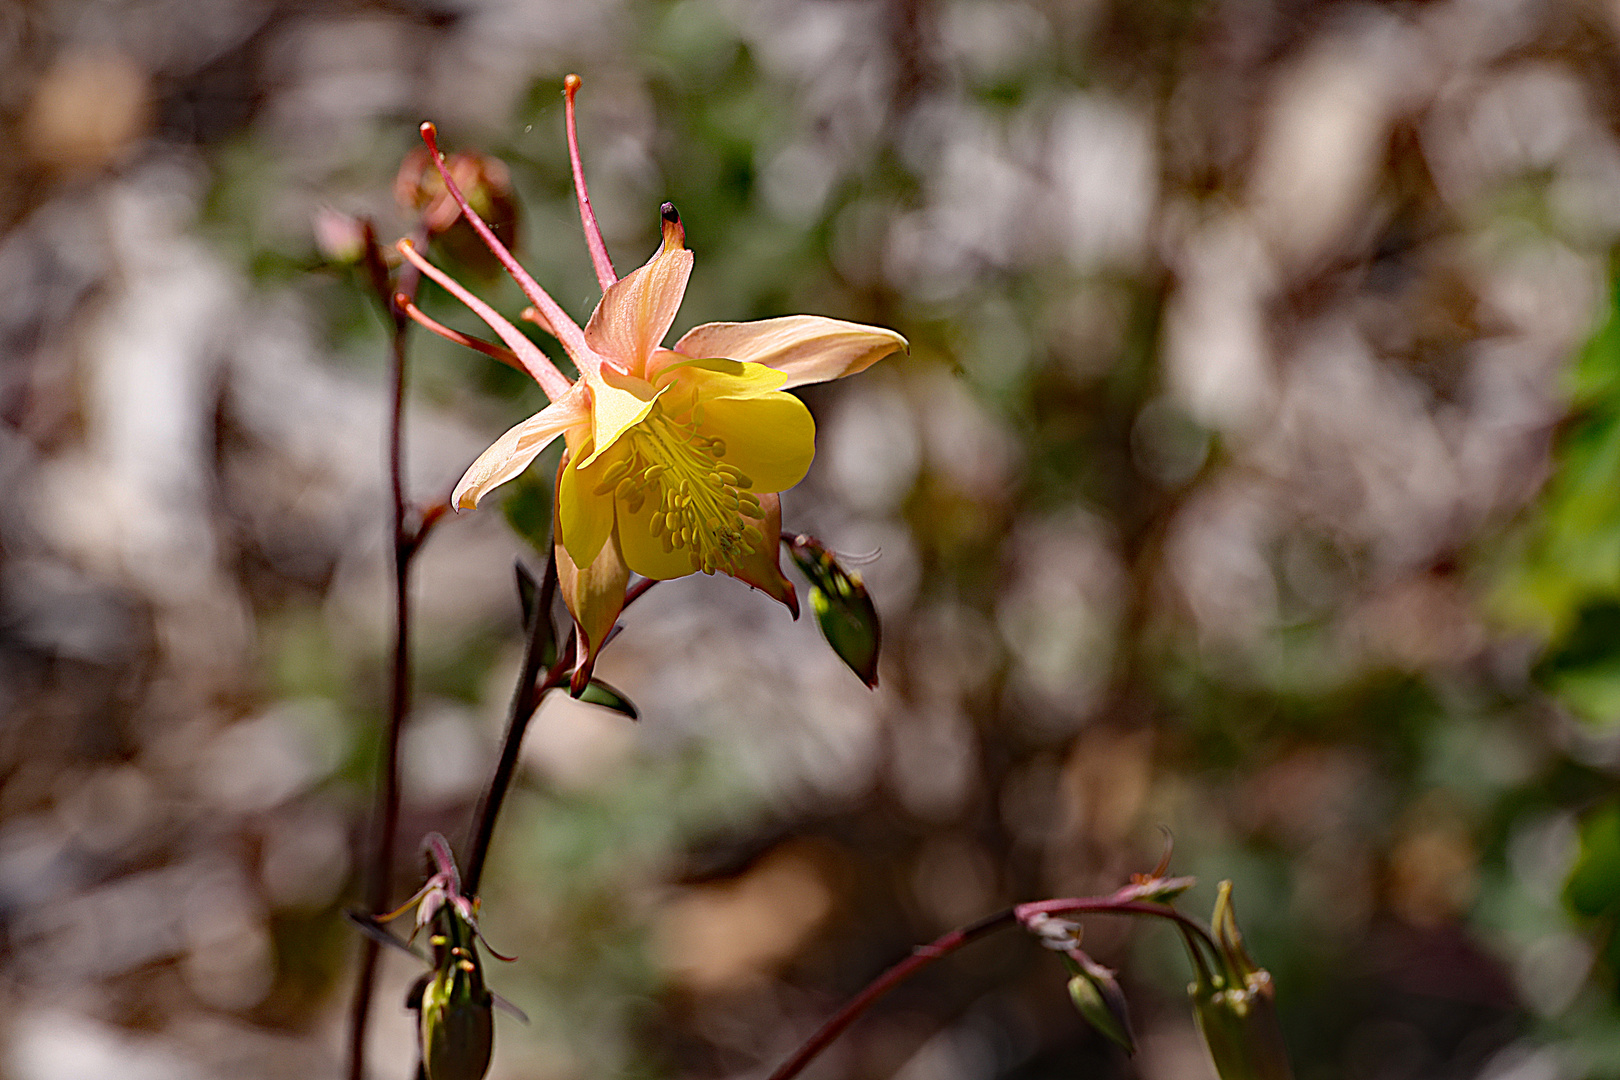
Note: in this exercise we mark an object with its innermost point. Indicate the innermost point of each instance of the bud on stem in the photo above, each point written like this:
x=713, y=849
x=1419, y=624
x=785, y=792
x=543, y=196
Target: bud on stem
x=1235, y=1008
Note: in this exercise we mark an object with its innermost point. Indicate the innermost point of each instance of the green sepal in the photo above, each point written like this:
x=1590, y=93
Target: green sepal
x=597, y=692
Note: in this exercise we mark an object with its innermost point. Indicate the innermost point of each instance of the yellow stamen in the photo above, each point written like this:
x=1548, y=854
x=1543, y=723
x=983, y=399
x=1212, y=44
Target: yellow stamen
x=699, y=500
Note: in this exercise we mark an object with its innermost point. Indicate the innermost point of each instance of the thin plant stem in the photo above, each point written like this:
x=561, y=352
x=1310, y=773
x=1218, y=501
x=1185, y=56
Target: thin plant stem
x=1119, y=905
x=408, y=537
x=533, y=682
x=1122, y=903
x=899, y=973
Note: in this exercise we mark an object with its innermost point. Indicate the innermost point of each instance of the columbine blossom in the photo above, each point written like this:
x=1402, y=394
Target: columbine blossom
x=675, y=455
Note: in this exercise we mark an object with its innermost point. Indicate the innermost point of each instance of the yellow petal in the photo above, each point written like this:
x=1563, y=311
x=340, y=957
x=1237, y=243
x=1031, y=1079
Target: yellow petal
x=513, y=451
x=808, y=348
x=644, y=552
x=636, y=311
x=714, y=377
x=771, y=437
x=615, y=408
x=593, y=593
x=584, y=518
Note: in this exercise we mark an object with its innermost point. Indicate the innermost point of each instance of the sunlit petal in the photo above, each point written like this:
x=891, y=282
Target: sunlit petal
x=808, y=348
x=513, y=451
x=637, y=310
x=770, y=438
x=584, y=518
x=615, y=409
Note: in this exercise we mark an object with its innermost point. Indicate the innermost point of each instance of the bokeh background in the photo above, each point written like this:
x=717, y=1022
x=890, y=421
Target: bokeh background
x=1253, y=474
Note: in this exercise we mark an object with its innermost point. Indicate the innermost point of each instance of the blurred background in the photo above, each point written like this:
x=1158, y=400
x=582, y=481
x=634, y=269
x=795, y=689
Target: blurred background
x=1252, y=475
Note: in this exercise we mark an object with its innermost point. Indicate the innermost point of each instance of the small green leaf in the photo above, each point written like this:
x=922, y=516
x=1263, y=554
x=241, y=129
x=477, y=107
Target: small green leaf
x=600, y=693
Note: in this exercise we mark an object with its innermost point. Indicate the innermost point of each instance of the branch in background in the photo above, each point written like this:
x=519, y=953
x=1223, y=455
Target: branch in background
x=408, y=538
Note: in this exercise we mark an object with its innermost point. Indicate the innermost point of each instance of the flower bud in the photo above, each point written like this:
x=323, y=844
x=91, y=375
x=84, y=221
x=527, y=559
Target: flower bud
x=339, y=237
x=844, y=611
x=1235, y=1007
x=1096, y=993
x=487, y=184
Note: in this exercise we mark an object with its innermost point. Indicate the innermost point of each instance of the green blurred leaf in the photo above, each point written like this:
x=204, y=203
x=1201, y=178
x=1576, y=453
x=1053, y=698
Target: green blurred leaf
x=527, y=507
x=1593, y=888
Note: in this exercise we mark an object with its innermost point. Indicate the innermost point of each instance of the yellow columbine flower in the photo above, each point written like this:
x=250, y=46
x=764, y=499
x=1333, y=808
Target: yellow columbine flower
x=675, y=456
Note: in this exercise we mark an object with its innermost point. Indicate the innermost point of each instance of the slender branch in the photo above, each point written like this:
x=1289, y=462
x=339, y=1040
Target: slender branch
x=407, y=540
x=1118, y=905
x=899, y=973
x=1124, y=902
x=531, y=687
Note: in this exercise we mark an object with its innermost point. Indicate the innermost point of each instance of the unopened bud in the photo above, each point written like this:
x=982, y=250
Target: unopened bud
x=844, y=611
x=487, y=184
x=1096, y=994
x=1235, y=1007
x=339, y=237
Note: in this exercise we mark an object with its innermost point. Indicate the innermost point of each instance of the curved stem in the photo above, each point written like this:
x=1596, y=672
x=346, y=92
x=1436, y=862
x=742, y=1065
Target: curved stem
x=1117, y=905
x=1123, y=902
x=899, y=973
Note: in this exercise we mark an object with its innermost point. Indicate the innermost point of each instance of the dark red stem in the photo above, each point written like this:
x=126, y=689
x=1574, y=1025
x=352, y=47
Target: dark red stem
x=1124, y=902
x=533, y=682
x=408, y=537
x=857, y=1006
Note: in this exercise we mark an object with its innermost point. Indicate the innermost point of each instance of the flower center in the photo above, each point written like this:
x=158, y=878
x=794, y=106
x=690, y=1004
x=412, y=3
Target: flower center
x=701, y=503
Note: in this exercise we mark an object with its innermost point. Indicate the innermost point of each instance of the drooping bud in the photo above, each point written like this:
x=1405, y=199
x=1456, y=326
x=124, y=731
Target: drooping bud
x=1096, y=993
x=487, y=184
x=1235, y=1007
x=844, y=611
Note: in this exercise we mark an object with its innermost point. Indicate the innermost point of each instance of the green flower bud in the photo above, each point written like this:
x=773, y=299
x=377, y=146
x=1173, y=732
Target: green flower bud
x=458, y=1028
x=1235, y=1006
x=1096, y=993
x=844, y=610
